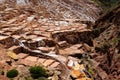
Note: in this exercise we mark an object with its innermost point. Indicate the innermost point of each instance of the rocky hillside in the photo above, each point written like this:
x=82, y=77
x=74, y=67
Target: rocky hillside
x=107, y=45
x=105, y=4
x=56, y=35
x=84, y=10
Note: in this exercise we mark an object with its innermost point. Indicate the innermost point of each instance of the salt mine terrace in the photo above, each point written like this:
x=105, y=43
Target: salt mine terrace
x=60, y=37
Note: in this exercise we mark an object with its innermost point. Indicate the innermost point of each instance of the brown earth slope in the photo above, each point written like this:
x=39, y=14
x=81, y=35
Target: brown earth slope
x=107, y=45
x=84, y=10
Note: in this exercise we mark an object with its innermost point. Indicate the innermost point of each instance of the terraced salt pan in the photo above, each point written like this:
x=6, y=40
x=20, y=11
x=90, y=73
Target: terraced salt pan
x=3, y=37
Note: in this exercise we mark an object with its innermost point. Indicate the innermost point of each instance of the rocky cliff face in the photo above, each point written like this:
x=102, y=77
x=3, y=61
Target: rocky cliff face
x=84, y=10
x=107, y=45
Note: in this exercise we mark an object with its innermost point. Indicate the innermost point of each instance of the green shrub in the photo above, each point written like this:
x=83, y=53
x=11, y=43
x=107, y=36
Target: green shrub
x=37, y=71
x=12, y=73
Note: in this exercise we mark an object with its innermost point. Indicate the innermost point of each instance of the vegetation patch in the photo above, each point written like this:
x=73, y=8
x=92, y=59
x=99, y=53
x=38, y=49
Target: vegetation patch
x=37, y=71
x=12, y=73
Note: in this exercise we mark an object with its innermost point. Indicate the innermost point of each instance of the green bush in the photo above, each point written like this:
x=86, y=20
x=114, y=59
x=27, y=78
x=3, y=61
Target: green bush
x=37, y=71
x=12, y=73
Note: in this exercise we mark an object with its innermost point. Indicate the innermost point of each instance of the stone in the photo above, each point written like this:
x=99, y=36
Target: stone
x=78, y=74
x=12, y=55
x=73, y=58
x=22, y=26
x=54, y=65
x=37, y=32
x=62, y=58
x=55, y=77
x=30, y=18
x=87, y=47
x=50, y=30
x=11, y=20
x=46, y=27
x=57, y=29
x=16, y=36
x=64, y=28
x=1, y=31
x=70, y=63
x=63, y=52
x=55, y=32
x=31, y=58
x=46, y=34
x=52, y=48
x=57, y=72
x=31, y=36
x=96, y=64
x=38, y=38
x=3, y=37
x=84, y=26
x=102, y=73
x=79, y=51
x=36, y=29
x=77, y=46
x=41, y=60
x=70, y=51
x=22, y=55
x=73, y=29
x=48, y=62
x=8, y=32
x=75, y=73
x=78, y=66
x=26, y=62
x=74, y=47
x=34, y=25
x=42, y=29
x=5, y=29
x=63, y=44
x=44, y=49
x=14, y=28
x=15, y=49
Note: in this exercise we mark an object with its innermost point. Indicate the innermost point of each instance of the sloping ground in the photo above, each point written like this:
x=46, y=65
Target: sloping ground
x=66, y=46
x=107, y=45
x=106, y=4
x=84, y=10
